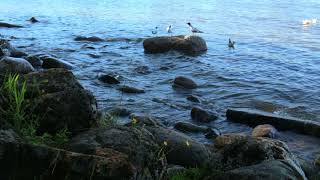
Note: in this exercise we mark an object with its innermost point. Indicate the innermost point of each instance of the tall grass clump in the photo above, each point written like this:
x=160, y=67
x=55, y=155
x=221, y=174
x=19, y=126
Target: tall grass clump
x=14, y=112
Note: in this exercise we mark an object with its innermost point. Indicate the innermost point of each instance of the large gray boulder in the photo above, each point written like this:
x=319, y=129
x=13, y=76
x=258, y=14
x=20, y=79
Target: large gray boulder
x=185, y=44
x=252, y=155
x=181, y=149
x=60, y=101
x=15, y=65
x=138, y=144
x=24, y=161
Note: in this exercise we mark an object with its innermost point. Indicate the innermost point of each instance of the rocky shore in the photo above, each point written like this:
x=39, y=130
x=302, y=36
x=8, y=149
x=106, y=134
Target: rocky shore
x=50, y=128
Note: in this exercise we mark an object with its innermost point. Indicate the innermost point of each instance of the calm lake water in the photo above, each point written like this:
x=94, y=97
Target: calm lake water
x=275, y=66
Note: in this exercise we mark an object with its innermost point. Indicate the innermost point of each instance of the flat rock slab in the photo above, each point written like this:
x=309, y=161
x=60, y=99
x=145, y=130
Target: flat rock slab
x=257, y=117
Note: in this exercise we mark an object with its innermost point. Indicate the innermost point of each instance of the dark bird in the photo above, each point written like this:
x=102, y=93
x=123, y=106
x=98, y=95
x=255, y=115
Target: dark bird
x=231, y=44
x=193, y=29
x=169, y=29
x=33, y=20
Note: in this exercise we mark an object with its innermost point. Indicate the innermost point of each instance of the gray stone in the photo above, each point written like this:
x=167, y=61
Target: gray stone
x=15, y=65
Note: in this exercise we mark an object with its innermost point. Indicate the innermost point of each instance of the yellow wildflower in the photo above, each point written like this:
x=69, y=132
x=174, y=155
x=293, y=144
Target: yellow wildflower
x=187, y=143
x=165, y=143
x=134, y=121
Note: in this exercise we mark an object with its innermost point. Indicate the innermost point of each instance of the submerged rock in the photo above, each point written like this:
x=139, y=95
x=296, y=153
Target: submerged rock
x=317, y=161
x=194, y=98
x=7, y=25
x=265, y=130
x=51, y=62
x=185, y=44
x=184, y=82
x=201, y=115
x=256, y=117
x=131, y=90
x=90, y=39
x=142, y=70
x=110, y=79
x=23, y=161
x=15, y=65
x=61, y=102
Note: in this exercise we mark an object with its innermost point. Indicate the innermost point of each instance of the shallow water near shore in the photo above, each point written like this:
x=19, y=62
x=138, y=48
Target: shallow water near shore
x=275, y=66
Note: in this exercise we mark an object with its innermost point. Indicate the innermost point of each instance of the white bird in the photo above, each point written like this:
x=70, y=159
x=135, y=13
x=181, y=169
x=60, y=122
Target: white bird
x=309, y=21
x=155, y=31
x=193, y=29
x=169, y=29
x=231, y=44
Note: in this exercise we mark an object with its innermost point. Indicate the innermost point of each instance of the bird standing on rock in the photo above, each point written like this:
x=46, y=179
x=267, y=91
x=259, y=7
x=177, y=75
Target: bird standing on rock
x=155, y=31
x=231, y=44
x=193, y=29
x=169, y=30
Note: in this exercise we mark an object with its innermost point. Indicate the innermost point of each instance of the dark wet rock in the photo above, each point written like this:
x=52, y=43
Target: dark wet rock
x=181, y=149
x=8, y=50
x=210, y=133
x=189, y=127
x=35, y=61
x=185, y=44
x=86, y=46
x=142, y=70
x=95, y=56
x=268, y=170
x=23, y=161
x=194, y=98
x=90, y=39
x=59, y=99
x=7, y=25
x=184, y=83
x=131, y=90
x=50, y=62
x=256, y=117
x=138, y=144
x=119, y=111
x=33, y=20
x=201, y=115
x=119, y=39
x=110, y=79
x=15, y=65
x=244, y=151
x=213, y=133
x=264, y=130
